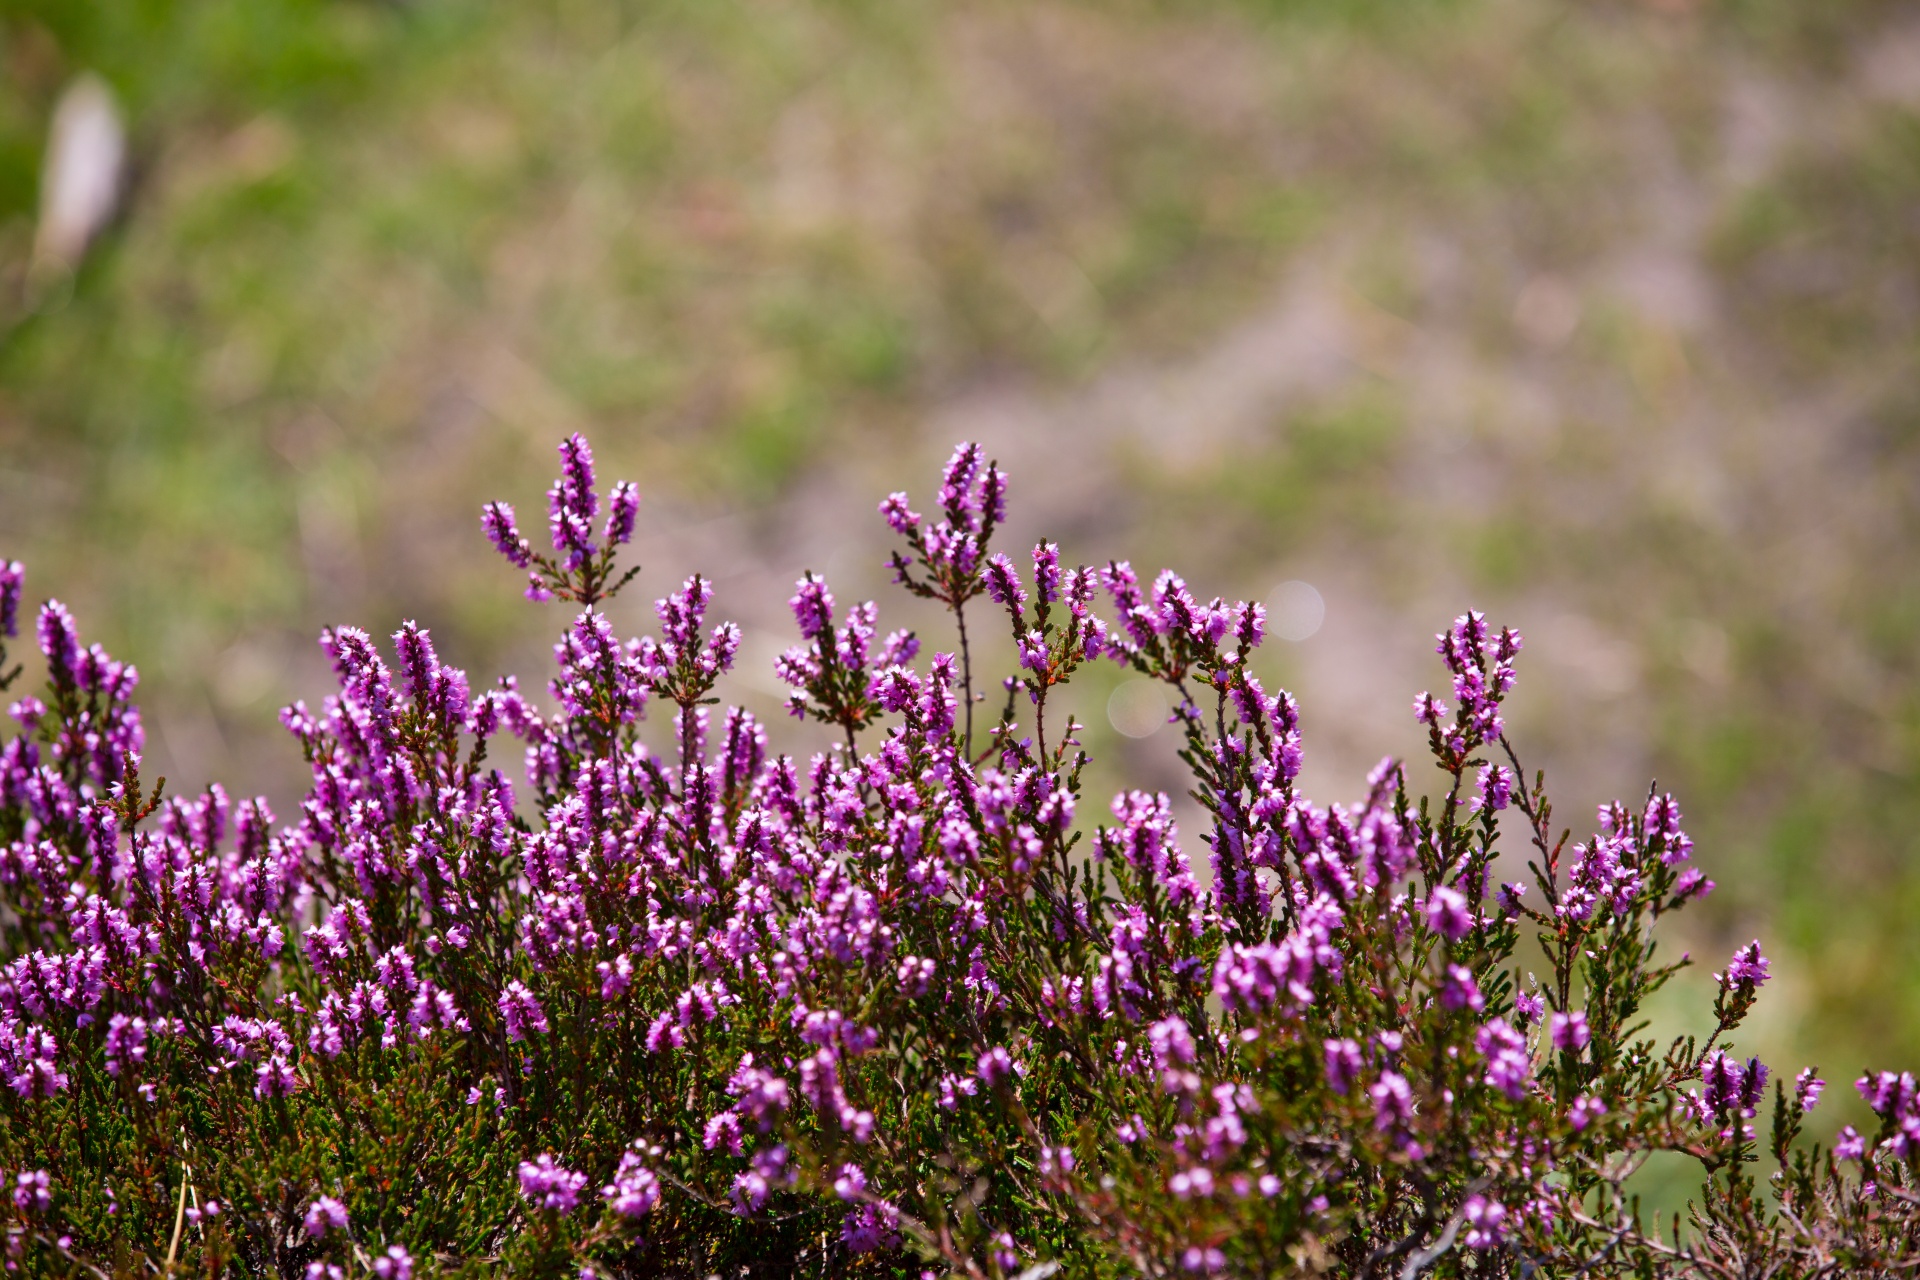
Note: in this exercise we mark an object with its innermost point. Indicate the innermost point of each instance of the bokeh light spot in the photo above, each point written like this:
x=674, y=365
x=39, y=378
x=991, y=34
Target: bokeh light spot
x=1139, y=707
x=1295, y=610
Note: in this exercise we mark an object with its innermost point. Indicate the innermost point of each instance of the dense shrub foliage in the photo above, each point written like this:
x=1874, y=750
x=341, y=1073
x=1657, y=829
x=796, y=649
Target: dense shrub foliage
x=901, y=1007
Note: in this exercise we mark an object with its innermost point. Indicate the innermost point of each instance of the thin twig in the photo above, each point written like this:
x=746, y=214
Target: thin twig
x=179, y=1217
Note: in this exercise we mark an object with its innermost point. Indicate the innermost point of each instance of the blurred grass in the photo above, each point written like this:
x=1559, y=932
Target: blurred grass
x=378, y=256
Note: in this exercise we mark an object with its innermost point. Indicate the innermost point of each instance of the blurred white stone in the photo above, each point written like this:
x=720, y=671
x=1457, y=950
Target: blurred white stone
x=1295, y=610
x=80, y=181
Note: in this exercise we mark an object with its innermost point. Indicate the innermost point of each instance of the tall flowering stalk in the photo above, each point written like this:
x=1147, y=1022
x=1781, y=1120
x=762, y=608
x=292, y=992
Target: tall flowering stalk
x=665, y=1002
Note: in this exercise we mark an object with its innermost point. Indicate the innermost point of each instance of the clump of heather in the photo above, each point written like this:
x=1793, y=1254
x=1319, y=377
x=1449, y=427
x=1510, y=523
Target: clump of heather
x=593, y=982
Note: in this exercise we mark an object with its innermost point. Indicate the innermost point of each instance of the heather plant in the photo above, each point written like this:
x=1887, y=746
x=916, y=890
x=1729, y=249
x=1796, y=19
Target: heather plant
x=681, y=1005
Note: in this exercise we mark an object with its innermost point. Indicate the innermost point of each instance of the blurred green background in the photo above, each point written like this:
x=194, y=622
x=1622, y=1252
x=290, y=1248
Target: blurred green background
x=1598, y=315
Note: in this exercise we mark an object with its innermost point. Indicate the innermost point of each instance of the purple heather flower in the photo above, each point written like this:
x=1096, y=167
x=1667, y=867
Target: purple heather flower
x=682, y=612
x=1495, y=789
x=956, y=482
x=781, y=883
x=549, y=1186
x=1483, y=673
x=1753, y=1086
x=1448, y=914
x=1046, y=573
x=1849, y=1145
x=126, y=1042
x=572, y=503
x=1662, y=823
x=576, y=482
x=1003, y=583
x=970, y=498
x=1732, y=1086
x=1888, y=1094
x=995, y=1067
x=1509, y=1068
x=634, y=1189
x=419, y=664
x=1203, y=1260
x=1033, y=652
x=325, y=1214
x=1392, y=1100
x=274, y=1078
x=1179, y=615
x=1191, y=1184
x=1807, y=1088
x=723, y=1130
x=869, y=1227
x=497, y=519
x=900, y=517
x=1257, y=977
x=762, y=1095
x=1123, y=587
x=812, y=606
x=1721, y=1075
x=1172, y=1042
x=850, y=1182
x=1249, y=625
x=857, y=1124
x=59, y=641
x=1486, y=1222
x=521, y=1013
x=1748, y=968
x=1568, y=1031
x=1692, y=883
x=623, y=508
x=31, y=1191
x=13, y=577
x=1079, y=591
x=993, y=494
x=1459, y=990
x=616, y=976
x=898, y=648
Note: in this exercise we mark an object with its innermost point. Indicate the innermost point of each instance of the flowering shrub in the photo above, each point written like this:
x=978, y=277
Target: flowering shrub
x=687, y=1007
